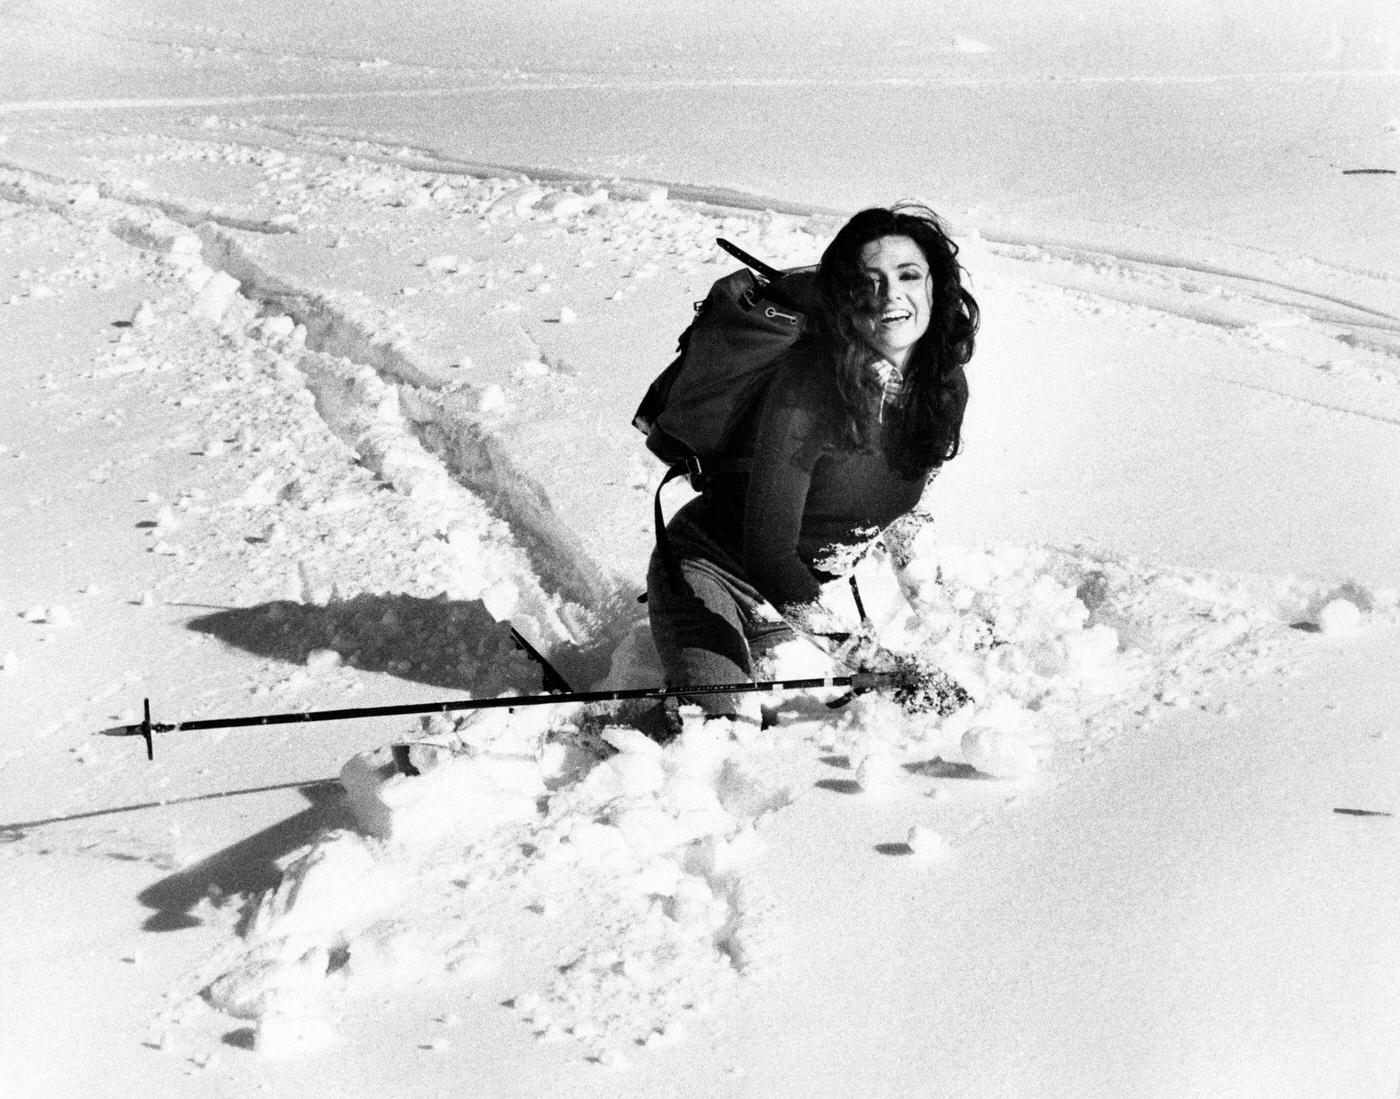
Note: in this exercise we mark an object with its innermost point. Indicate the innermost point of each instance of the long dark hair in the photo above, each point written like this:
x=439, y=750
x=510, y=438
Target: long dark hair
x=927, y=431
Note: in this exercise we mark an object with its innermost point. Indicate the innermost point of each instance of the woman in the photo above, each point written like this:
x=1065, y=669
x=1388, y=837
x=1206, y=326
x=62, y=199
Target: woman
x=865, y=408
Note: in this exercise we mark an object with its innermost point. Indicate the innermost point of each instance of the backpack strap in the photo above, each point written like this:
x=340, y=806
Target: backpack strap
x=663, y=543
x=692, y=468
x=697, y=471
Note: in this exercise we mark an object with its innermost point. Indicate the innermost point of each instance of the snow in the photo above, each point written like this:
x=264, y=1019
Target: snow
x=323, y=336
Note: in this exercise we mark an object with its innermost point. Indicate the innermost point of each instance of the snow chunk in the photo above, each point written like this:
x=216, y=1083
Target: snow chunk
x=275, y=328
x=1339, y=618
x=695, y=907
x=377, y=185
x=86, y=197
x=215, y=296
x=636, y=769
x=283, y=1033
x=322, y=660
x=419, y=792
x=926, y=843
x=332, y=885
x=876, y=770
x=653, y=194
x=964, y=44
x=747, y=793
x=1000, y=753
x=492, y=400
x=562, y=205
x=518, y=201
x=185, y=250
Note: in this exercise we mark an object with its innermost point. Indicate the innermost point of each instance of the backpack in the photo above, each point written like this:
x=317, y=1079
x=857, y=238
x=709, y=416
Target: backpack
x=694, y=412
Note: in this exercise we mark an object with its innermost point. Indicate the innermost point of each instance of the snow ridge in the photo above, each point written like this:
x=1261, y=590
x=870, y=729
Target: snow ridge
x=444, y=424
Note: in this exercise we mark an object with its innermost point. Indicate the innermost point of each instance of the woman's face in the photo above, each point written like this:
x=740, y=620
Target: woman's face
x=896, y=312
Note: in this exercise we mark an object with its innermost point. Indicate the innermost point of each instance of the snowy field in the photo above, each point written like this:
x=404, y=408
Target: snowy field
x=322, y=332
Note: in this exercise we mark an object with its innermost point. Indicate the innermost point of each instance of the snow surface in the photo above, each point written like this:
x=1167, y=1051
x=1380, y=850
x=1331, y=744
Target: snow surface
x=322, y=335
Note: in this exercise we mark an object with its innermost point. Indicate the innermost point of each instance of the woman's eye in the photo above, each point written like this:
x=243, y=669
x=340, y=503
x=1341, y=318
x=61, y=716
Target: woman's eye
x=912, y=276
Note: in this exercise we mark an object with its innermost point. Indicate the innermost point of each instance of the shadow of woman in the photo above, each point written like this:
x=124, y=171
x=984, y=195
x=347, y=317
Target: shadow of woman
x=445, y=643
x=441, y=642
x=452, y=644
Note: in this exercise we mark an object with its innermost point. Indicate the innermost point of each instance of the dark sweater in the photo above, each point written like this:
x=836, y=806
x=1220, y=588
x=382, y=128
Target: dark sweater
x=809, y=507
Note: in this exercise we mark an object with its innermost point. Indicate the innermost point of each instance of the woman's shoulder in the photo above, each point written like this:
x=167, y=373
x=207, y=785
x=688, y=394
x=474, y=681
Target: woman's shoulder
x=798, y=405
x=803, y=376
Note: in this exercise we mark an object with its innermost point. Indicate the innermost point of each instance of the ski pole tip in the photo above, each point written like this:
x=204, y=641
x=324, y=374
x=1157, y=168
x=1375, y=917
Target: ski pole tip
x=144, y=729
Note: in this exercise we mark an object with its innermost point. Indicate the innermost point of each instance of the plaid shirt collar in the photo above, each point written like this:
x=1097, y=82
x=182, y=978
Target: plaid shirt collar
x=891, y=383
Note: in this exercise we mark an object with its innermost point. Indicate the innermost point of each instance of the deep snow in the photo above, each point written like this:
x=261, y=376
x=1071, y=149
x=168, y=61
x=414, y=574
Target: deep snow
x=312, y=398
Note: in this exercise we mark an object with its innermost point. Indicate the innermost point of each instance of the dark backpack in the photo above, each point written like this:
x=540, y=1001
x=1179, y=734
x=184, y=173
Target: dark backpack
x=694, y=413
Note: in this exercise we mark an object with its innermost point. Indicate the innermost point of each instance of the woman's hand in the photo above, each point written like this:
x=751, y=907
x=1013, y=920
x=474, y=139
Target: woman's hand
x=862, y=652
x=899, y=537
x=857, y=648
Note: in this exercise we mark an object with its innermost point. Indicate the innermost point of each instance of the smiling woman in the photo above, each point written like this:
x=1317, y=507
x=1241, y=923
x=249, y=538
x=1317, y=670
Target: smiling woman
x=900, y=296
x=866, y=408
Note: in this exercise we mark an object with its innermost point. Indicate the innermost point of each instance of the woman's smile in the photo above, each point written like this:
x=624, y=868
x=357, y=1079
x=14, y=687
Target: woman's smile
x=899, y=305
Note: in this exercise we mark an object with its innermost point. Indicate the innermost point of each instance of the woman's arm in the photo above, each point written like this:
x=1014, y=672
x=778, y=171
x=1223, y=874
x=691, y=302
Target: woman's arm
x=899, y=537
x=787, y=446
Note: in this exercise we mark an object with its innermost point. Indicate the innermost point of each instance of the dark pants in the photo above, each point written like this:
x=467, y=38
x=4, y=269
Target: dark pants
x=710, y=624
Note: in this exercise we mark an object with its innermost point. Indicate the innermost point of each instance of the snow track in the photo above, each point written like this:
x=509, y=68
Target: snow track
x=420, y=440
x=1338, y=320
x=441, y=424
x=1102, y=260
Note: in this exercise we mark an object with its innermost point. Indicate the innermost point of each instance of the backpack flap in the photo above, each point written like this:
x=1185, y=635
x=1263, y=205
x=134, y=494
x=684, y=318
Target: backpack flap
x=728, y=354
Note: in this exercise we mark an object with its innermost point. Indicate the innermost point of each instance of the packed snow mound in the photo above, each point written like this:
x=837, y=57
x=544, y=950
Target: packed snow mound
x=419, y=792
x=615, y=868
x=1065, y=645
x=635, y=867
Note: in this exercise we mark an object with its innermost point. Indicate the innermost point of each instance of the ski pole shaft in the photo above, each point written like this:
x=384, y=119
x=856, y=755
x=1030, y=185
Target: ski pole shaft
x=858, y=682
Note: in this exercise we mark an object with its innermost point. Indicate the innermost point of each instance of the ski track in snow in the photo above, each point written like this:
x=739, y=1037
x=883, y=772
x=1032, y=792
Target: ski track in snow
x=1246, y=298
x=362, y=383
x=546, y=83
x=624, y=899
x=1240, y=298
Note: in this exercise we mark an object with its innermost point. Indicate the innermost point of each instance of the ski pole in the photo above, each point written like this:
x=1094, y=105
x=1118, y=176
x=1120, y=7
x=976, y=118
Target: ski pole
x=146, y=729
